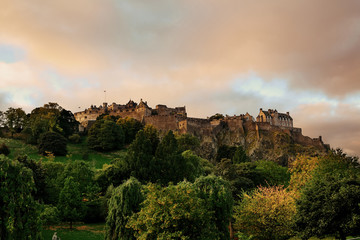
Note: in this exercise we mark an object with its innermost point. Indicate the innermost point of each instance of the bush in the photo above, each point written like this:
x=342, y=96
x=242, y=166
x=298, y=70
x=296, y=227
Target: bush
x=75, y=138
x=4, y=149
x=52, y=142
x=50, y=215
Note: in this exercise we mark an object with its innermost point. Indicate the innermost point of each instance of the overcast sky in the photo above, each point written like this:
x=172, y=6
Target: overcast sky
x=229, y=56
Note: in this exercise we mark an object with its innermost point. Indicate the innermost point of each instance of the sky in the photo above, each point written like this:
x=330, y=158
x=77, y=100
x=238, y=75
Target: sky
x=229, y=56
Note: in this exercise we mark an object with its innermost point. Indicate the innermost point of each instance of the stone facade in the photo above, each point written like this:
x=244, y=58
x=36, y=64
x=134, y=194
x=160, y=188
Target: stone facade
x=273, y=117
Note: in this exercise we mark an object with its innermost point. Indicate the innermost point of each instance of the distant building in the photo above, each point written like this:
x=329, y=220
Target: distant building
x=275, y=118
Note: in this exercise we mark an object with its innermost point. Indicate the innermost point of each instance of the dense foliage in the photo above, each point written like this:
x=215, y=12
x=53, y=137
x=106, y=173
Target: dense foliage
x=266, y=213
x=19, y=212
x=157, y=185
x=329, y=202
x=105, y=135
x=124, y=202
x=70, y=204
x=52, y=142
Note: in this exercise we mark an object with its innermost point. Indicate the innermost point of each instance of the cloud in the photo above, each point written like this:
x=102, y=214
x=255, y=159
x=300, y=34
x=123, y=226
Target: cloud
x=213, y=56
x=339, y=125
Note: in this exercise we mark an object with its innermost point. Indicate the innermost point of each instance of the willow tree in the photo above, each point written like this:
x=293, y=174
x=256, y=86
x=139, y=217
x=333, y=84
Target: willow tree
x=19, y=213
x=124, y=202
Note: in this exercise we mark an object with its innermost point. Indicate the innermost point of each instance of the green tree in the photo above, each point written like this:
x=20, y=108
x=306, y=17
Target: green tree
x=187, y=142
x=266, y=213
x=217, y=116
x=152, y=134
x=240, y=155
x=54, y=181
x=70, y=204
x=19, y=213
x=105, y=135
x=236, y=175
x=169, y=164
x=139, y=158
x=82, y=174
x=218, y=198
x=192, y=165
x=174, y=212
x=130, y=126
x=124, y=202
x=50, y=118
x=67, y=122
x=273, y=173
x=15, y=119
x=39, y=176
x=4, y=149
x=329, y=202
x=225, y=151
x=52, y=142
x=50, y=215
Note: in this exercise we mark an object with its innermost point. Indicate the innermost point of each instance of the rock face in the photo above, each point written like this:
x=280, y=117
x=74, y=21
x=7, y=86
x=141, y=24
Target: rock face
x=260, y=140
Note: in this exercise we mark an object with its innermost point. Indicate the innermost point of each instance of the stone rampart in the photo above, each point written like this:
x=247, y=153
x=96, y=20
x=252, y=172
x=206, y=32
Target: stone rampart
x=162, y=122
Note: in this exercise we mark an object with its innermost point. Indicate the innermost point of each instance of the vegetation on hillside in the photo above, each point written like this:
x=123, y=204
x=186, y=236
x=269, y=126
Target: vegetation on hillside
x=150, y=186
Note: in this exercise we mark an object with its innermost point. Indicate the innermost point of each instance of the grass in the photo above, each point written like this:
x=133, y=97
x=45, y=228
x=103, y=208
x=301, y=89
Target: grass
x=79, y=232
x=78, y=151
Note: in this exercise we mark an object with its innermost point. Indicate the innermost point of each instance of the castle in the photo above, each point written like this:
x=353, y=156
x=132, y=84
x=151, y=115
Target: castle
x=164, y=118
x=213, y=131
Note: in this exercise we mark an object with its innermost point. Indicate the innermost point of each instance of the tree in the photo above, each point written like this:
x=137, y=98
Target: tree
x=301, y=170
x=82, y=174
x=130, y=126
x=236, y=176
x=218, y=198
x=225, y=151
x=39, y=176
x=266, y=213
x=152, y=134
x=329, y=202
x=52, y=142
x=174, y=212
x=53, y=181
x=169, y=164
x=15, y=119
x=105, y=135
x=217, y=116
x=50, y=118
x=187, y=142
x=4, y=149
x=273, y=173
x=124, y=202
x=139, y=158
x=240, y=155
x=70, y=203
x=192, y=166
x=19, y=213
x=49, y=215
x=67, y=123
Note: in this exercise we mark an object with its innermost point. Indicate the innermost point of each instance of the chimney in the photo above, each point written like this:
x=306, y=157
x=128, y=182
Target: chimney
x=287, y=113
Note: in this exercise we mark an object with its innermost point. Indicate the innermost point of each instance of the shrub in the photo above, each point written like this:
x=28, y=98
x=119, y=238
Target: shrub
x=52, y=142
x=75, y=138
x=4, y=149
x=50, y=215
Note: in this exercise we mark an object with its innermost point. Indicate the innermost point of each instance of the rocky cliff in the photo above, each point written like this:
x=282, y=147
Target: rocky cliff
x=261, y=141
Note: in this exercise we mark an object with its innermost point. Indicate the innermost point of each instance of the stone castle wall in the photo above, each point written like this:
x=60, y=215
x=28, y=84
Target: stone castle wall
x=175, y=119
x=162, y=122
